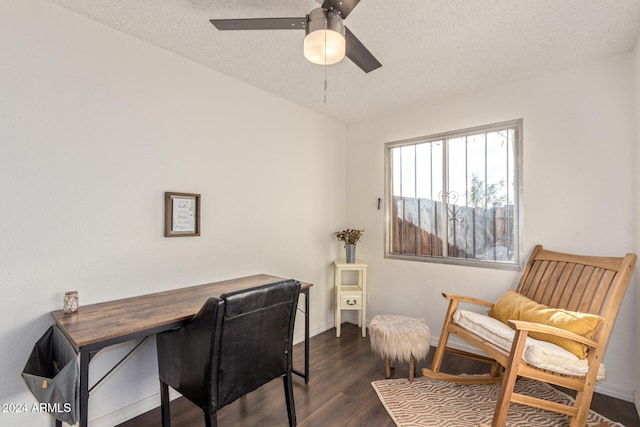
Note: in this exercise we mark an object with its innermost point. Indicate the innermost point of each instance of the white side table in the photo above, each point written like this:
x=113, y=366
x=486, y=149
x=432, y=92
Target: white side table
x=351, y=296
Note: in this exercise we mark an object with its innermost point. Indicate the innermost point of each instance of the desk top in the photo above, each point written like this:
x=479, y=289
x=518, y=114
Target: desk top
x=108, y=321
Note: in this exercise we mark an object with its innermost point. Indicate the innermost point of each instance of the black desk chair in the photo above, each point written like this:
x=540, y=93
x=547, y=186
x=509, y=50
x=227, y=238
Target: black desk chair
x=235, y=344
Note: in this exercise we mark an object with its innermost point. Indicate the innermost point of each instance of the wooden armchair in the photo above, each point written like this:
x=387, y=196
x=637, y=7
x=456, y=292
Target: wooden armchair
x=583, y=284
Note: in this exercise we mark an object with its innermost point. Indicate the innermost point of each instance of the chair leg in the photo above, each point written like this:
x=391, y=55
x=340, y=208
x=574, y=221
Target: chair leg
x=582, y=404
x=504, y=400
x=165, y=405
x=412, y=368
x=509, y=379
x=211, y=420
x=444, y=337
x=439, y=352
x=387, y=367
x=288, y=393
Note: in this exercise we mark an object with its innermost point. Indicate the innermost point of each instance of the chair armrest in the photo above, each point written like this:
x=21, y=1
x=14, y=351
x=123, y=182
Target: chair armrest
x=551, y=330
x=470, y=300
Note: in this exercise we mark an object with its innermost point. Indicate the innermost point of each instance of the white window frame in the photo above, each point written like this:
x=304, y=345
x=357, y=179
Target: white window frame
x=518, y=262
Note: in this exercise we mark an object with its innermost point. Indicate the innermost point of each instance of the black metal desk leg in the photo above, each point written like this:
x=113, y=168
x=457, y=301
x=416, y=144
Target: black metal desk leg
x=85, y=356
x=305, y=374
x=306, y=337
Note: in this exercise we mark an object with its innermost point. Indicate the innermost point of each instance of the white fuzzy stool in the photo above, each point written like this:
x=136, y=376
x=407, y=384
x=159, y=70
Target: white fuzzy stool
x=400, y=338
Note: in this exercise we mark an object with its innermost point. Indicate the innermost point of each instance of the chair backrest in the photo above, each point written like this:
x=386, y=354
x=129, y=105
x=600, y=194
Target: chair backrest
x=587, y=284
x=256, y=338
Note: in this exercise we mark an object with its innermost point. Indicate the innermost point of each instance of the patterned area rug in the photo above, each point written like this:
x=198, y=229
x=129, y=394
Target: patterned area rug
x=427, y=402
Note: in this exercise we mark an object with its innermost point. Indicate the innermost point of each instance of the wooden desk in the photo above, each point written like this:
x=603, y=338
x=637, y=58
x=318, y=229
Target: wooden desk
x=96, y=326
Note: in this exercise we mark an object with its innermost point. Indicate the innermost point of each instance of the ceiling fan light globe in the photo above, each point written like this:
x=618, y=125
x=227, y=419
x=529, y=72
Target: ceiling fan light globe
x=324, y=47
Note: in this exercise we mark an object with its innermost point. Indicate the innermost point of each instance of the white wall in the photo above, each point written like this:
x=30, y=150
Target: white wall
x=578, y=190
x=637, y=210
x=94, y=127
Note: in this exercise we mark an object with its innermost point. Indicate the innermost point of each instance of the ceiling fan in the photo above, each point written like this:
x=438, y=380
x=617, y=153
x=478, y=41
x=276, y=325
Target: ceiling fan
x=320, y=47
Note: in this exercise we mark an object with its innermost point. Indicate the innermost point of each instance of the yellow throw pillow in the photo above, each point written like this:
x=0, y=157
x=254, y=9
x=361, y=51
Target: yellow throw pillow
x=513, y=306
x=510, y=306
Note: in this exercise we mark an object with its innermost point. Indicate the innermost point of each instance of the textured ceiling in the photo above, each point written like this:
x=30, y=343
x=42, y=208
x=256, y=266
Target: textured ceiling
x=428, y=48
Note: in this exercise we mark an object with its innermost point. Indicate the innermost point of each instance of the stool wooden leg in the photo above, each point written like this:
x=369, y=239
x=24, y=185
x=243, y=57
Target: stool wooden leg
x=387, y=368
x=412, y=368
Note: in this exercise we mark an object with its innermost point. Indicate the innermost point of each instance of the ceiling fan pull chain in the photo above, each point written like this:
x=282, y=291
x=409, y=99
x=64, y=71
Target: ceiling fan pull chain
x=325, y=87
x=325, y=61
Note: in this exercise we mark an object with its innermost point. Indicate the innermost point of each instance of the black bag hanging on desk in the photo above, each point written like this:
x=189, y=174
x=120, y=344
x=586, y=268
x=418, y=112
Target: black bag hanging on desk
x=53, y=376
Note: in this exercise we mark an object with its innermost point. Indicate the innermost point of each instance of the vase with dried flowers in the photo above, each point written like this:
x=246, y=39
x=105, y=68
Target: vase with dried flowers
x=350, y=237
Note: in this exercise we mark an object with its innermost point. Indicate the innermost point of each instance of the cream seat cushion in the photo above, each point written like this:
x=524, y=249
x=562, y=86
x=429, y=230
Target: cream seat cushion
x=514, y=306
x=541, y=354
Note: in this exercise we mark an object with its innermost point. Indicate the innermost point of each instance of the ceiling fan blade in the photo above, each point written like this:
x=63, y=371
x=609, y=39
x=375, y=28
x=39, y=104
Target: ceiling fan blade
x=260, y=24
x=359, y=54
x=343, y=7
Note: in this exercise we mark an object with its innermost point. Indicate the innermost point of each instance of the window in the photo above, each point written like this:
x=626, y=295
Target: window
x=456, y=197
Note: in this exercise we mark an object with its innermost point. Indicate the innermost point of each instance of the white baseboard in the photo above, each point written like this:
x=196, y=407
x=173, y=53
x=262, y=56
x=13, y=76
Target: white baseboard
x=131, y=411
x=636, y=400
x=613, y=391
x=315, y=331
x=127, y=413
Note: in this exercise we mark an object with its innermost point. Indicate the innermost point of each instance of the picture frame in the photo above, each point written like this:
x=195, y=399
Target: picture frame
x=181, y=214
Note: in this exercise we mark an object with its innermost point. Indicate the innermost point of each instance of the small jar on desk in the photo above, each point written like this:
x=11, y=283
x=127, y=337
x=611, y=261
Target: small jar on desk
x=70, y=302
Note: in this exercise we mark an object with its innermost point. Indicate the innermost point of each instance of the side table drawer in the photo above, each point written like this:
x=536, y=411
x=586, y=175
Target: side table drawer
x=351, y=301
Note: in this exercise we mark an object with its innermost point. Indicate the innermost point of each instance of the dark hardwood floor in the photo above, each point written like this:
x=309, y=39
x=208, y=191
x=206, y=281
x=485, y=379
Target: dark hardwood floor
x=339, y=392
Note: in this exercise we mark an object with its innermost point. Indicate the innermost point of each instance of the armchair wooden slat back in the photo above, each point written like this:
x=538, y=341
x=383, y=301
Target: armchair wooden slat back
x=573, y=282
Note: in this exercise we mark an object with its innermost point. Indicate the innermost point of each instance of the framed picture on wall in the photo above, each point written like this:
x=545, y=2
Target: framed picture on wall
x=181, y=214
